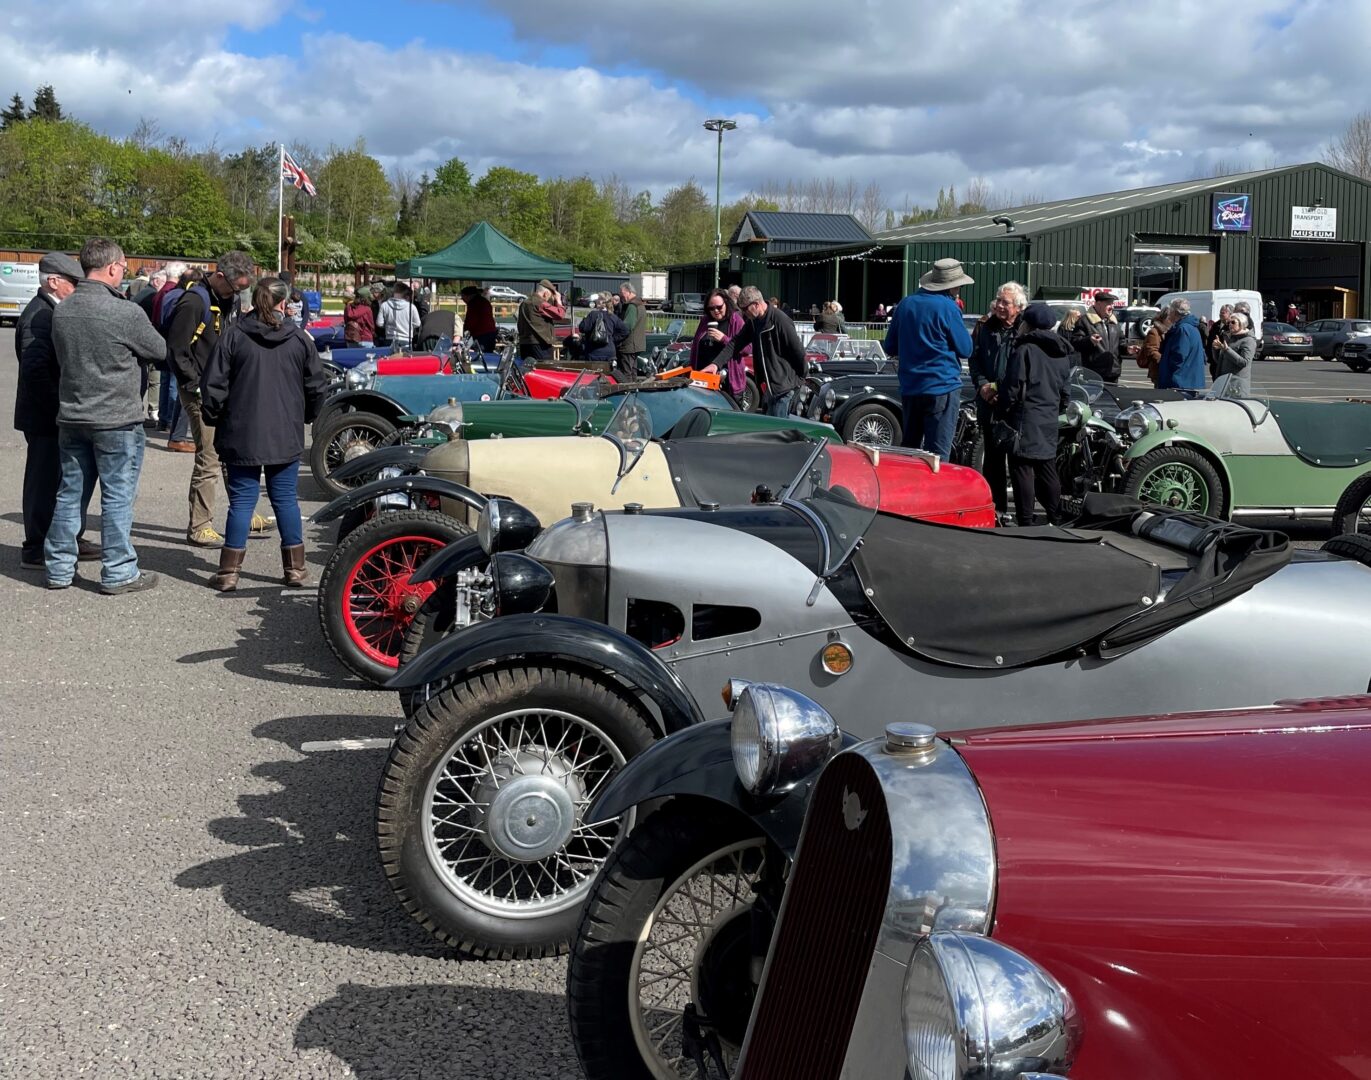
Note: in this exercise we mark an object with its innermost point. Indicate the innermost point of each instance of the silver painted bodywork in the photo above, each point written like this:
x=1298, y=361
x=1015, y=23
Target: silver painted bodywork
x=1300, y=633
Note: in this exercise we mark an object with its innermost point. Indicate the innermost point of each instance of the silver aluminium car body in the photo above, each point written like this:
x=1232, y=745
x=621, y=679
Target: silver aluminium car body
x=1214, y=660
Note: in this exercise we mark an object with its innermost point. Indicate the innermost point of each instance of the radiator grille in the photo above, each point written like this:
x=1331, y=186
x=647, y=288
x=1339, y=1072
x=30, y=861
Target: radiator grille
x=827, y=932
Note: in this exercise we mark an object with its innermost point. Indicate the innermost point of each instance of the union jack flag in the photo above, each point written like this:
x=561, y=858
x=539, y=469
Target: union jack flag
x=295, y=176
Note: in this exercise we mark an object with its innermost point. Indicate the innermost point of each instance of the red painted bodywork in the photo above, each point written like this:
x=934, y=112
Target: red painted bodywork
x=1200, y=884
x=418, y=364
x=909, y=487
x=812, y=356
x=321, y=322
x=543, y=383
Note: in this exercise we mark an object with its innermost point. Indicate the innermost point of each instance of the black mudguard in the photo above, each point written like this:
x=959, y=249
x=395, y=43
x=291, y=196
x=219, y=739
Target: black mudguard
x=459, y=555
x=869, y=397
x=434, y=485
x=698, y=763
x=409, y=458
x=370, y=401
x=563, y=637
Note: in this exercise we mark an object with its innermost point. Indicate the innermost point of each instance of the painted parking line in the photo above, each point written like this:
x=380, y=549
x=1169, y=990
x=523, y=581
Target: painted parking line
x=344, y=744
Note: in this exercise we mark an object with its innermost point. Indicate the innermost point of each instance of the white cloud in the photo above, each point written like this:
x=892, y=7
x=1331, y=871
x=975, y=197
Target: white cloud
x=1073, y=100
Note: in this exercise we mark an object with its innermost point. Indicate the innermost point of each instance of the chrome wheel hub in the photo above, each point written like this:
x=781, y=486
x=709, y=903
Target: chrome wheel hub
x=532, y=810
x=873, y=432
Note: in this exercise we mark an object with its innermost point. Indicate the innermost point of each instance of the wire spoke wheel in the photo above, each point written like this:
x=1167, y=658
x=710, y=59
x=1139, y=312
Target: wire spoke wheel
x=504, y=812
x=874, y=431
x=379, y=600
x=1177, y=486
x=667, y=967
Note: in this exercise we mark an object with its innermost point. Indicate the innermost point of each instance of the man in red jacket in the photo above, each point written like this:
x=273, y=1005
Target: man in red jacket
x=480, y=318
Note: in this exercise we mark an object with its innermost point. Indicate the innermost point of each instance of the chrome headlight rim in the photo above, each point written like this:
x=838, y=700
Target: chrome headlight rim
x=828, y=398
x=356, y=379
x=1139, y=421
x=778, y=737
x=505, y=525
x=972, y=1005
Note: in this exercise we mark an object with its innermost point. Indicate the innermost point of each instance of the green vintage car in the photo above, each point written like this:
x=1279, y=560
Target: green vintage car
x=1247, y=456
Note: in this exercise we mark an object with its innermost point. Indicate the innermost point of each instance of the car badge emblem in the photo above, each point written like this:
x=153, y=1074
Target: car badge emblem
x=853, y=814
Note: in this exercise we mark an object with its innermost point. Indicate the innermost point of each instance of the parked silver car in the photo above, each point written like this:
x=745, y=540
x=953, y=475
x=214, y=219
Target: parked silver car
x=1330, y=335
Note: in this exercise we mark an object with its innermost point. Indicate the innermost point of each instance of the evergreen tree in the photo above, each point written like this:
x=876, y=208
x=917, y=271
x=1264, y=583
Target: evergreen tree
x=13, y=115
x=45, y=105
x=404, y=221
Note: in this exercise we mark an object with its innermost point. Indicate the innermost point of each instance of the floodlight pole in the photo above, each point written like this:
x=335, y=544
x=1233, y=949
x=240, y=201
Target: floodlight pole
x=719, y=126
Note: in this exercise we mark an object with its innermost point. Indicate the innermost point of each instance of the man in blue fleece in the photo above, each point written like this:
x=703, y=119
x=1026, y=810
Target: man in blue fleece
x=1182, y=361
x=928, y=336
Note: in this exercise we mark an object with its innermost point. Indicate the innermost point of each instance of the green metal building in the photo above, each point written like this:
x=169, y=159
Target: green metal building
x=1299, y=233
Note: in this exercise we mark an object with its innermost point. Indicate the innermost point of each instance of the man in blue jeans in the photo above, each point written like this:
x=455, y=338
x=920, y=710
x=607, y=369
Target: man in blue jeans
x=929, y=338
x=101, y=340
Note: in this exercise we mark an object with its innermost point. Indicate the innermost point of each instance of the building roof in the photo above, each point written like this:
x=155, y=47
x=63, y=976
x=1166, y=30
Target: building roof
x=818, y=229
x=1046, y=217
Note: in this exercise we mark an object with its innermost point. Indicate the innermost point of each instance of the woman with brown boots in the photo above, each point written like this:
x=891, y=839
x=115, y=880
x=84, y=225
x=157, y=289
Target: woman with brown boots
x=262, y=385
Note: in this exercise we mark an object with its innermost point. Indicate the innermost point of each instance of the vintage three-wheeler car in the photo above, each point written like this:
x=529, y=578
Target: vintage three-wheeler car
x=1166, y=896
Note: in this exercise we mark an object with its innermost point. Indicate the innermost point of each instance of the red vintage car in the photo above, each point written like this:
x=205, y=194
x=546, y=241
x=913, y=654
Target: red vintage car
x=1186, y=897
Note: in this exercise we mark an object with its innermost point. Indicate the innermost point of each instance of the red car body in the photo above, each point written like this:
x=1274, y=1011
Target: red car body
x=542, y=383
x=1200, y=884
x=911, y=486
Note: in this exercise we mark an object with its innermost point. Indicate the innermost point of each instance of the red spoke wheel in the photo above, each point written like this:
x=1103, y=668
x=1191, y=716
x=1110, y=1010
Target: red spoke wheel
x=366, y=601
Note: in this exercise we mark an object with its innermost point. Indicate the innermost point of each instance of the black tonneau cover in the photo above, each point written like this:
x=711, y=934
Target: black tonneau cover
x=1005, y=598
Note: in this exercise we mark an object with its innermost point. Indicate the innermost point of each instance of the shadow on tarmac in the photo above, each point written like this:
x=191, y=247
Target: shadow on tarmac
x=430, y=1030
x=309, y=866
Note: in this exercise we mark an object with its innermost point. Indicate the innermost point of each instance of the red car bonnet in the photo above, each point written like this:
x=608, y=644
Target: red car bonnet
x=953, y=495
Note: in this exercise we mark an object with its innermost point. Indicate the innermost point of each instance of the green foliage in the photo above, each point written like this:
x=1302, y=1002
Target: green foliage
x=451, y=180
x=354, y=196
x=515, y=203
x=15, y=114
x=45, y=105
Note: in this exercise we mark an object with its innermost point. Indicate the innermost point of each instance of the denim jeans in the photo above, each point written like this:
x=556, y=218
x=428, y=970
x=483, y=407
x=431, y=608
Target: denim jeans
x=169, y=406
x=115, y=458
x=779, y=405
x=930, y=422
x=283, y=491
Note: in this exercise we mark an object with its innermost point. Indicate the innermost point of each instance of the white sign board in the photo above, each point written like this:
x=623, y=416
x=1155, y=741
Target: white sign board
x=1120, y=295
x=1314, y=222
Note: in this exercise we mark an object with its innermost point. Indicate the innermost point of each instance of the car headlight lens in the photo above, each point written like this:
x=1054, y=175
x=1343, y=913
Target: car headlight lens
x=1075, y=413
x=356, y=378
x=1140, y=420
x=974, y=1007
x=828, y=397
x=779, y=737
x=504, y=525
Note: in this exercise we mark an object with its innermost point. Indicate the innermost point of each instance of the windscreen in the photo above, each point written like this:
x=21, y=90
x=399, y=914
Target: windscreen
x=840, y=488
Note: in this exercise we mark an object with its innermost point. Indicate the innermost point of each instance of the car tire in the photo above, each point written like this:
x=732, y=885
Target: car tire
x=373, y=564
x=358, y=515
x=1359, y=366
x=458, y=750
x=1164, y=476
x=1352, y=515
x=874, y=424
x=1355, y=546
x=342, y=438
x=633, y=890
x=751, y=400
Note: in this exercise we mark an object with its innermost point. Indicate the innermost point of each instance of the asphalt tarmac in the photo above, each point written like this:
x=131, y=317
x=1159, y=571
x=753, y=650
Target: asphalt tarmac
x=184, y=891
x=190, y=883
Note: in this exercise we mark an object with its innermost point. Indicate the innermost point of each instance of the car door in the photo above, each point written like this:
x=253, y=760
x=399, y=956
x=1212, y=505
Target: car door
x=1321, y=333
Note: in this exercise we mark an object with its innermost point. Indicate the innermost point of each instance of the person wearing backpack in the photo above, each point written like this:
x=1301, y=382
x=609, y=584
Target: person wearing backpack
x=201, y=315
x=601, y=331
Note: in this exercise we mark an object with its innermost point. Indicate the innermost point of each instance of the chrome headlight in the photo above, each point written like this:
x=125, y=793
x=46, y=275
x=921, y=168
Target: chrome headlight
x=519, y=585
x=356, y=379
x=1140, y=420
x=828, y=397
x=976, y=1008
x=778, y=737
x=1076, y=413
x=504, y=525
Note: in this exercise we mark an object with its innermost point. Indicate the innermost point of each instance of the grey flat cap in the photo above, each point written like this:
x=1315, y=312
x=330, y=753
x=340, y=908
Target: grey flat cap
x=56, y=262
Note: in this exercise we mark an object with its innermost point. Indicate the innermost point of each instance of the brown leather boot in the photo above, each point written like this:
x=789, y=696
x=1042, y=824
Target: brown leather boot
x=293, y=564
x=230, y=562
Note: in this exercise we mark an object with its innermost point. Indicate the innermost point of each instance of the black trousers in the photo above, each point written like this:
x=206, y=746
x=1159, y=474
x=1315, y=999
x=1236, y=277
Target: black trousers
x=533, y=350
x=42, y=478
x=995, y=468
x=1035, y=481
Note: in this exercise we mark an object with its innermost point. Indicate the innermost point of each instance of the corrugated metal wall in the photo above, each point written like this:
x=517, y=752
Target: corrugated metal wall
x=990, y=262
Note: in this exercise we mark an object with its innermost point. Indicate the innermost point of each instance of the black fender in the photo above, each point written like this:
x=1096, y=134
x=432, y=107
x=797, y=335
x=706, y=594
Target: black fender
x=566, y=637
x=446, y=561
x=403, y=457
x=867, y=397
x=434, y=485
x=698, y=763
x=372, y=401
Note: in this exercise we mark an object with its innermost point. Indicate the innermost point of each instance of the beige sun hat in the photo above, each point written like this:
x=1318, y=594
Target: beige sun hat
x=946, y=274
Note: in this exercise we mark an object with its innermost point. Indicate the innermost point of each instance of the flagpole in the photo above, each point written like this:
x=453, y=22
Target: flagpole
x=280, y=200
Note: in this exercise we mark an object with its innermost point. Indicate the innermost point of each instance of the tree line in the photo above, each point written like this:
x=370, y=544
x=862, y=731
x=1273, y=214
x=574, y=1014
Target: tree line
x=61, y=181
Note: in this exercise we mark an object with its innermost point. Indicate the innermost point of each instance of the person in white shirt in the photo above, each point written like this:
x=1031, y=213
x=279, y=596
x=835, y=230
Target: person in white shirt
x=399, y=318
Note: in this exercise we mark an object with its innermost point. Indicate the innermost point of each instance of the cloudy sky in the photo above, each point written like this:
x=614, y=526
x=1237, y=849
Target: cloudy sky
x=1055, y=100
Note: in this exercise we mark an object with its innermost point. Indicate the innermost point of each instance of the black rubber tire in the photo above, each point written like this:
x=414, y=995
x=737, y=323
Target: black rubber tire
x=379, y=426
x=659, y=850
x=358, y=515
x=877, y=413
x=1182, y=455
x=391, y=524
x=976, y=458
x=1350, y=502
x=1359, y=366
x=751, y=400
x=1356, y=546
x=435, y=616
x=424, y=744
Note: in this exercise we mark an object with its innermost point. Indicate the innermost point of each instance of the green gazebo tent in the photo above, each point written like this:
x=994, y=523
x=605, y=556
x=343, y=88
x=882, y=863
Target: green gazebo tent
x=484, y=253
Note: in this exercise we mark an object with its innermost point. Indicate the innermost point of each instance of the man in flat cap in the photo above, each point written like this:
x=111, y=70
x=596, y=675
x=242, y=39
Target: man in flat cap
x=35, y=406
x=928, y=336
x=1096, y=336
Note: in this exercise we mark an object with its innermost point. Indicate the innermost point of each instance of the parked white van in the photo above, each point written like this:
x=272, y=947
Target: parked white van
x=1206, y=303
x=18, y=285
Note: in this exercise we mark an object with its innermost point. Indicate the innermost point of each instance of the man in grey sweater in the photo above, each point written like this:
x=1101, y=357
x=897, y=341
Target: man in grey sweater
x=100, y=339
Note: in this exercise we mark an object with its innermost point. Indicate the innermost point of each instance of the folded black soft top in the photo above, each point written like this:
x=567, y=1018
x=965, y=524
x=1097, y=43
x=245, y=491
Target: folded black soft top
x=1005, y=598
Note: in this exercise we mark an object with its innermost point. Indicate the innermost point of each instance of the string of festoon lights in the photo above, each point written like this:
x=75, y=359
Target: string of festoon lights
x=781, y=262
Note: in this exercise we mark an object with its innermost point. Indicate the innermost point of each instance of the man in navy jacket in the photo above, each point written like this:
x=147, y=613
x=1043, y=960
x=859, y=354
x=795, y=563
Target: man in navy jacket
x=1182, y=360
x=929, y=338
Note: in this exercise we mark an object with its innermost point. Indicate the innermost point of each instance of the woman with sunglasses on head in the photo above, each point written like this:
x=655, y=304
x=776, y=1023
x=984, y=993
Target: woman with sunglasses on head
x=1234, y=353
x=720, y=322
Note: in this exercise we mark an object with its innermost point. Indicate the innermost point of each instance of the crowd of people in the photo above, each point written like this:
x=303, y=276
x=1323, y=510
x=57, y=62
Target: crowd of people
x=243, y=372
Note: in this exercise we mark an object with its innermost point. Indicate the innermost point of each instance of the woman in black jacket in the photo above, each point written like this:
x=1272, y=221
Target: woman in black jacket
x=1031, y=396
x=263, y=383
x=601, y=331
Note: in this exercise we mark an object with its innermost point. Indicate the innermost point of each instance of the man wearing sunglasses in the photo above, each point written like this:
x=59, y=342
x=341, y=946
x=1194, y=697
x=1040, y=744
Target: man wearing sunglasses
x=778, y=356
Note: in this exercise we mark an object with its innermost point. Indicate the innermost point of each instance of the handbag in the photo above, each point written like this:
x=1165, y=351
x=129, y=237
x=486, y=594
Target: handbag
x=1004, y=435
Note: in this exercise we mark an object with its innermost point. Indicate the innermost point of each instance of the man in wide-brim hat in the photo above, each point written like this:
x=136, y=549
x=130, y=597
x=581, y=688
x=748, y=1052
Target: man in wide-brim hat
x=930, y=340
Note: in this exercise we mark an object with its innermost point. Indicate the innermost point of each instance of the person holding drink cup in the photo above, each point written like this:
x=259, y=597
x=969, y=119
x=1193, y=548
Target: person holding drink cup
x=720, y=322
